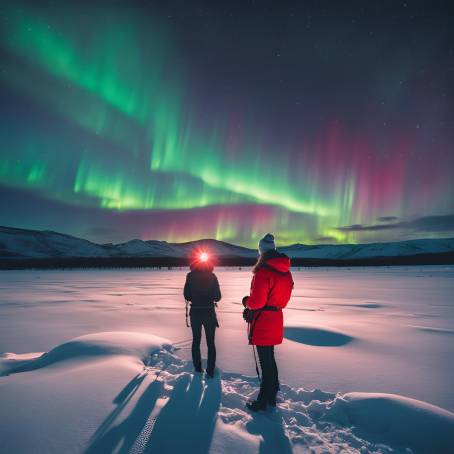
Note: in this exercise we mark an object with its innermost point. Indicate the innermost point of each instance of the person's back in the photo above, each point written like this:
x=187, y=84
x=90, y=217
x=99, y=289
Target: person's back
x=272, y=286
x=202, y=288
x=202, y=291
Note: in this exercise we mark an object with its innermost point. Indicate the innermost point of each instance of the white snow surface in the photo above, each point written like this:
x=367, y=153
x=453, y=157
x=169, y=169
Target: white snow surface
x=99, y=361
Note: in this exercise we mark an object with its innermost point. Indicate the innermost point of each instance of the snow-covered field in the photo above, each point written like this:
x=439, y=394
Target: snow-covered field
x=366, y=365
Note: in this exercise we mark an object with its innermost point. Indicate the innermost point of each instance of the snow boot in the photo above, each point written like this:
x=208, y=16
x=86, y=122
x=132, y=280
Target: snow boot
x=257, y=405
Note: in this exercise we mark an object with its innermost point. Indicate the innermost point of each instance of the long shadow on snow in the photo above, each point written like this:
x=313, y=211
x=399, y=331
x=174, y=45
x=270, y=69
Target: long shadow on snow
x=271, y=428
x=109, y=439
x=191, y=411
x=192, y=408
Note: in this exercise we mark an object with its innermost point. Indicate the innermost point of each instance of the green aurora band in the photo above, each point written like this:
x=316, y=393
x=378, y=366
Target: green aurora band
x=131, y=138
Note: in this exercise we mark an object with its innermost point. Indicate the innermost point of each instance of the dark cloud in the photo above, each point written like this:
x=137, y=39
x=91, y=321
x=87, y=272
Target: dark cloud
x=387, y=218
x=443, y=223
x=434, y=223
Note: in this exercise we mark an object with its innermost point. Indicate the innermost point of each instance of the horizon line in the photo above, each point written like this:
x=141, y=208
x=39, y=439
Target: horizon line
x=221, y=241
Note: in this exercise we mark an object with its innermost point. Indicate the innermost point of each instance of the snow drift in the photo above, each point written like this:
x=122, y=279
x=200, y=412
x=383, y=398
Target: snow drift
x=396, y=420
x=136, y=345
x=121, y=391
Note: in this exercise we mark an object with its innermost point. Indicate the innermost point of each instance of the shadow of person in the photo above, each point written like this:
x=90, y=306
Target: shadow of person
x=121, y=438
x=122, y=399
x=271, y=428
x=128, y=391
x=187, y=422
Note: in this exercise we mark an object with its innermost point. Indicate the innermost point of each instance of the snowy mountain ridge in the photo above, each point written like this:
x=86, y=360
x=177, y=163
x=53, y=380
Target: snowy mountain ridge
x=18, y=243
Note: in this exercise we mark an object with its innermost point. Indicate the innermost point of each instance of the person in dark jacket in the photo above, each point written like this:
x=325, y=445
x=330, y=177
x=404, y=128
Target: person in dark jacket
x=202, y=290
x=271, y=288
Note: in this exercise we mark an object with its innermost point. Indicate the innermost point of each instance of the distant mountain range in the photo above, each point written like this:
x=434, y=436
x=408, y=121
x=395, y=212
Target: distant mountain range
x=19, y=245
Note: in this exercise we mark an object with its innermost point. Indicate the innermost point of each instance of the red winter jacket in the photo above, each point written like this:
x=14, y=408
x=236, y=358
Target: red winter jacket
x=271, y=285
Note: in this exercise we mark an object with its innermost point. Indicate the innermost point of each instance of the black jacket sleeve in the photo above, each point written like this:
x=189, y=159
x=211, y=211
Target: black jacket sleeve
x=216, y=290
x=187, y=288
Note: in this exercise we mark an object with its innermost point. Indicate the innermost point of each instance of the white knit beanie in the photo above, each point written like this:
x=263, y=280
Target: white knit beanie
x=266, y=243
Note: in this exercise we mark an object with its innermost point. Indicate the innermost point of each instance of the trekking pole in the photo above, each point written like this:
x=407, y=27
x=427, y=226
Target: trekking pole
x=216, y=314
x=256, y=365
x=187, y=322
x=251, y=322
x=250, y=327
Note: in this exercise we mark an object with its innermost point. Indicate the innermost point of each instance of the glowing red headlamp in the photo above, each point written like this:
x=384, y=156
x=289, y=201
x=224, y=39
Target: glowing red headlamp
x=202, y=259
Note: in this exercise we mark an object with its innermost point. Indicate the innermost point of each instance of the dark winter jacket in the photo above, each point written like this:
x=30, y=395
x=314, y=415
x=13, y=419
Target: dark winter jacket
x=202, y=288
x=271, y=285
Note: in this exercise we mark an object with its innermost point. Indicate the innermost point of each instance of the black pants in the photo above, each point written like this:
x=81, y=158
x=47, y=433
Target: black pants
x=270, y=379
x=207, y=319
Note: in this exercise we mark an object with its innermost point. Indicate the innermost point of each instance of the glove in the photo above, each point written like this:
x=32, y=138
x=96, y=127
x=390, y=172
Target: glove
x=244, y=301
x=248, y=315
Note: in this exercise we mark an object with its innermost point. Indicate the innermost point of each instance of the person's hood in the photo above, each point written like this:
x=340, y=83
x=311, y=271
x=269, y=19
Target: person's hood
x=276, y=260
x=281, y=264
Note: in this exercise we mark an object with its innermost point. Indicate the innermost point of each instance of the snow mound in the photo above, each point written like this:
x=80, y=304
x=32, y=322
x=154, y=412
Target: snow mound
x=325, y=422
x=137, y=345
x=316, y=336
x=110, y=407
x=396, y=419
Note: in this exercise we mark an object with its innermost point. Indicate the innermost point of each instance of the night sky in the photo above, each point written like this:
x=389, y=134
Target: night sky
x=322, y=122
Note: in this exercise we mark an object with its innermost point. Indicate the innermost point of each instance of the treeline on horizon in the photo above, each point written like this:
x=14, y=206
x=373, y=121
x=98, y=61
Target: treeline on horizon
x=442, y=258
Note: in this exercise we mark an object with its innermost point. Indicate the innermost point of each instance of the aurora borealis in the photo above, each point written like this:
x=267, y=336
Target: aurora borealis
x=178, y=121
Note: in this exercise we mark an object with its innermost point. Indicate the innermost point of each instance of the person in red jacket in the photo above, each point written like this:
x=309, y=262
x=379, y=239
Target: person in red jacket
x=271, y=288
